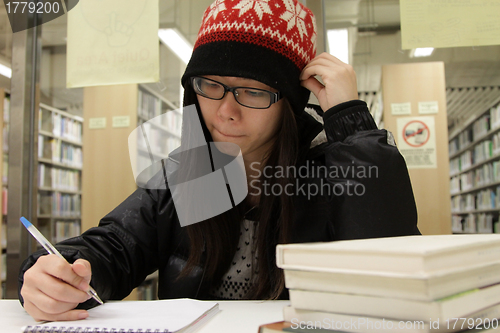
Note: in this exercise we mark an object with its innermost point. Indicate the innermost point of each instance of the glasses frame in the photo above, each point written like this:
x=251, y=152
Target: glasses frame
x=274, y=96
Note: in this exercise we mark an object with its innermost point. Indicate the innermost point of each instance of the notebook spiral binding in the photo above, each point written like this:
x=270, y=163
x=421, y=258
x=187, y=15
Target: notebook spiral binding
x=54, y=329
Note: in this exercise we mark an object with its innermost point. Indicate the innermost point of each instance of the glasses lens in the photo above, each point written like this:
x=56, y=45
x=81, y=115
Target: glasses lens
x=253, y=98
x=208, y=88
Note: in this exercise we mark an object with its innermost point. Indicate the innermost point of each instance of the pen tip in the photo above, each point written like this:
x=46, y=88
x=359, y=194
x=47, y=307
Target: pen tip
x=26, y=223
x=94, y=295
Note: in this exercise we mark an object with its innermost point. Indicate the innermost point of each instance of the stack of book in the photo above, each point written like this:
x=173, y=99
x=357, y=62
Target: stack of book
x=443, y=283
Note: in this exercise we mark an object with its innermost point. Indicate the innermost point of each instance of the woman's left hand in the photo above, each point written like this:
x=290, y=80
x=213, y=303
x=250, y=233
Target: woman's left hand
x=339, y=81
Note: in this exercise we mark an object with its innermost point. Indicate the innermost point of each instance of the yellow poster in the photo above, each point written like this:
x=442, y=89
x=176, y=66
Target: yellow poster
x=449, y=23
x=112, y=42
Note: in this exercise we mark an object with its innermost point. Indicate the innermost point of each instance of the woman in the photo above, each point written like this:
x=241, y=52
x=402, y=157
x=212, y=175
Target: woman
x=250, y=75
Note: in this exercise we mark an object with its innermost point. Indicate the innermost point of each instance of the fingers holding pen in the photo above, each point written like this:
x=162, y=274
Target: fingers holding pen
x=60, y=291
x=40, y=303
x=74, y=275
x=82, y=268
x=51, y=289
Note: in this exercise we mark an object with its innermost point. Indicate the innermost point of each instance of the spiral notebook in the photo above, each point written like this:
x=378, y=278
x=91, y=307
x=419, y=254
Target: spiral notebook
x=164, y=316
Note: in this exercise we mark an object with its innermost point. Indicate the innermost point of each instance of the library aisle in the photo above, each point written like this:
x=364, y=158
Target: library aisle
x=475, y=164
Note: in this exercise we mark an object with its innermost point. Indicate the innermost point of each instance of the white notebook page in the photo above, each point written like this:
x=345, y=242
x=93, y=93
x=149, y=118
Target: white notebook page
x=171, y=315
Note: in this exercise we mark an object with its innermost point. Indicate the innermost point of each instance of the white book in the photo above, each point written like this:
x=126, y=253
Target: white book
x=487, y=318
x=447, y=308
x=423, y=287
x=408, y=254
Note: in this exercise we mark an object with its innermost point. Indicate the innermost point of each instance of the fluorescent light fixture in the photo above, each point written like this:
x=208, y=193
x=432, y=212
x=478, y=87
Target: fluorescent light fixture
x=175, y=42
x=421, y=52
x=338, y=44
x=5, y=71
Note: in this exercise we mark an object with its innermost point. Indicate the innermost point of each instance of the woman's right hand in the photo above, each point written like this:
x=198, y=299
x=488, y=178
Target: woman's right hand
x=53, y=288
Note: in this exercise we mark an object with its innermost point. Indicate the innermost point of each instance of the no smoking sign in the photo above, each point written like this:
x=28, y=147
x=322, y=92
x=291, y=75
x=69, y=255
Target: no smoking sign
x=417, y=141
x=416, y=133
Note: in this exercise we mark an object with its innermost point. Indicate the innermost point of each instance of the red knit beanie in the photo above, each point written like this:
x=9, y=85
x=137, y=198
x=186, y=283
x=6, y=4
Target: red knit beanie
x=270, y=41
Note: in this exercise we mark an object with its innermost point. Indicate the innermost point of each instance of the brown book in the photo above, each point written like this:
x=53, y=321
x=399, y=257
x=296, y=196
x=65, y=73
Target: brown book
x=274, y=327
x=285, y=326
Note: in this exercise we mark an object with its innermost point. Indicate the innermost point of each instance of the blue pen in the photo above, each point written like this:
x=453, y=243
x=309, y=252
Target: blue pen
x=52, y=250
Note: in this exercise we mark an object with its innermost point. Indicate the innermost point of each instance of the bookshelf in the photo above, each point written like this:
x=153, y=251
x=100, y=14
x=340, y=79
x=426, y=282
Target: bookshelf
x=4, y=125
x=167, y=130
x=163, y=133
x=108, y=176
x=475, y=170
x=60, y=164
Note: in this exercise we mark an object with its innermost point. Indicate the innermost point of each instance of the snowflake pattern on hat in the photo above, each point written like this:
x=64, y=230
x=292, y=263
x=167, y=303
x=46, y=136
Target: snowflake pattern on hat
x=214, y=9
x=295, y=16
x=284, y=26
x=259, y=6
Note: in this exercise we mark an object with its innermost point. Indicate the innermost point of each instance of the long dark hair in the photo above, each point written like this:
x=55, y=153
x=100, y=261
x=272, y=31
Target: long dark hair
x=220, y=234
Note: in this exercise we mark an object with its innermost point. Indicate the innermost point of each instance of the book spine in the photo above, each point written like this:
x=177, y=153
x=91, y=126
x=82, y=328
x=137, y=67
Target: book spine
x=287, y=257
x=484, y=253
x=361, y=305
x=456, y=306
x=373, y=285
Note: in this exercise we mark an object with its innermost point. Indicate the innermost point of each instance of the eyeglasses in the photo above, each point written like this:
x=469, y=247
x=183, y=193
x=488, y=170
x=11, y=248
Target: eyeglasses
x=250, y=97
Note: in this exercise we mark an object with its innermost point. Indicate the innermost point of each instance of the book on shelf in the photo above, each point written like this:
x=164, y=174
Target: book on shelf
x=408, y=254
x=59, y=204
x=40, y=146
x=475, y=223
x=68, y=205
x=65, y=230
x=495, y=116
x=3, y=275
x=481, y=126
x=44, y=203
x=5, y=138
x=3, y=235
x=149, y=105
x=5, y=170
x=56, y=124
x=63, y=127
x=62, y=152
x=58, y=179
x=5, y=196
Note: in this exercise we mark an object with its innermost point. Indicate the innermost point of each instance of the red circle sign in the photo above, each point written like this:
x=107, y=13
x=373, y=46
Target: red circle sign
x=416, y=133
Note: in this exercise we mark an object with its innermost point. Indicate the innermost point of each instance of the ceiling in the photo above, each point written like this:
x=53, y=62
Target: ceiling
x=377, y=34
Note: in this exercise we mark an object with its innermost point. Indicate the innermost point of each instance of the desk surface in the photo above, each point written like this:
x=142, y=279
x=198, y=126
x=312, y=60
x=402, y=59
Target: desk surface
x=246, y=316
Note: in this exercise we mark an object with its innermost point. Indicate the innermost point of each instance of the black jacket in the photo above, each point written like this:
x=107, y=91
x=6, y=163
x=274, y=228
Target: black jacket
x=143, y=234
